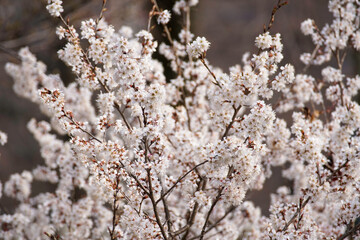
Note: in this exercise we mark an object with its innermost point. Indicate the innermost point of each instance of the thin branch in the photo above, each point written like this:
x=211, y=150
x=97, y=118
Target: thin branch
x=351, y=231
x=302, y=205
x=79, y=127
x=312, y=57
x=179, y=180
x=151, y=191
x=231, y=169
x=202, y=59
x=191, y=219
x=203, y=230
x=337, y=171
x=272, y=18
x=153, y=202
x=10, y=52
x=117, y=107
x=236, y=110
x=115, y=209
x=167, y=212
x=171, y=41
x=298, y=211
x=103, y=9
x=213, y=225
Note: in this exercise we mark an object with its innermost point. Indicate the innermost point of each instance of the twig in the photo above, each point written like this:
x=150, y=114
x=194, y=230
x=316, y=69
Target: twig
x=232, y=208
x=191, y=219
x=30, y=39
x=236, y=110
x=167, y=212
x=312, y=57
x=171, y=41
x=153, y=202
x=272, y=18
x=335, y=172
x=298, y=211
x=213, y=225
x=79, y=127
x=151, y=191
x=10, y=52
x=351, y=231
x=115, y=209
x=203, y=230
x=103, y=9
x=179, y=180
x=231, y=169
x=211, y=73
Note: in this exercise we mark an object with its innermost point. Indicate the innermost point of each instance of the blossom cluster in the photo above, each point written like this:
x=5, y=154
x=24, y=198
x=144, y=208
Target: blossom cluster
x=135, y=154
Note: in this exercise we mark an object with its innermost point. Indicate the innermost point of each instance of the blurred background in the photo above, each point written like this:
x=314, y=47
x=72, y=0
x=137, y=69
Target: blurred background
x=230, y=25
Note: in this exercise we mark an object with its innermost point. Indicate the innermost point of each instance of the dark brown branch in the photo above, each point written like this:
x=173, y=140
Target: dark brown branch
x=203, y=230
x=167, y=212
x=303, y=204
x=191, y=219
x=202, y=59
x=115, y=209
x=171, y=41
x=151, y=192
x=117, y=107
x=337, y=171
x=179, y=180
x=70, y=118
x=351, y=230
x=153, y=202
x=213, y=225
x=298, y=211
x=272, y=18
x=236, y=110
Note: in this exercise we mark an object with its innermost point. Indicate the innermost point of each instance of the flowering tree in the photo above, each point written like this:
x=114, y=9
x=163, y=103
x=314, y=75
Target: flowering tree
x=135, y=155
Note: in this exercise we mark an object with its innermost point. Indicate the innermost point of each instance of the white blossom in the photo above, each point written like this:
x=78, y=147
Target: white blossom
x=134, y=154
x=307, y=27
x=198, y=47
x=55, y=7
x=263, y=41
x=164, y=17
x=3, y=138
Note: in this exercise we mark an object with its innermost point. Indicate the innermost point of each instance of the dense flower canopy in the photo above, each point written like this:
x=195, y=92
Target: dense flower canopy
x=160, y=158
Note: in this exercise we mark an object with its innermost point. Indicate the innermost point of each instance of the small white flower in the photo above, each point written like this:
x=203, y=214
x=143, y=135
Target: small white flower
x=198, y=47
x=263, y=41
x=55, y=7
x=88, y=29
x=61, y=32
x=185, y=36
x=356, y=40
x=3, y=138
x=164, y=17
x=126, y=32
x=331, y=74
x=307, y=27
x=179, y=6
